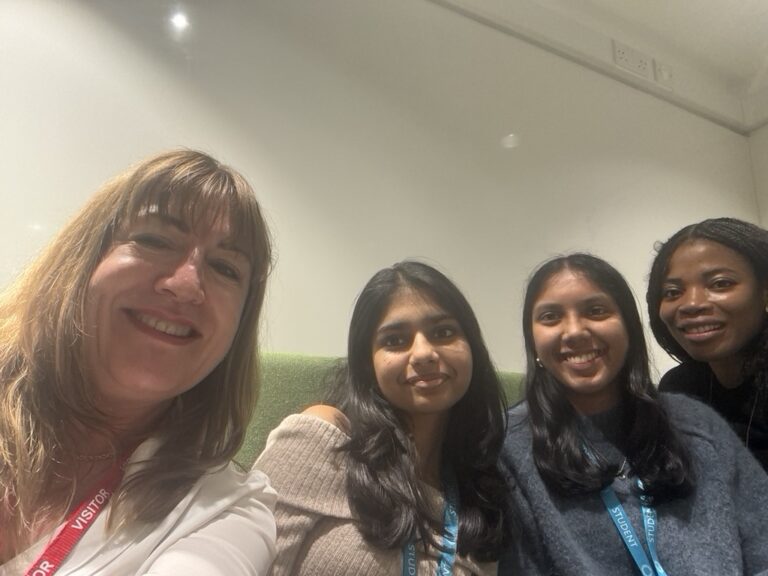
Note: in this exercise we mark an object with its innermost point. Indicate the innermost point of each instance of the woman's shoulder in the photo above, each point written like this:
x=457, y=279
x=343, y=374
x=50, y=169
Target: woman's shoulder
x=517, y=440
x=689, y=378
x=517, y=422
x=694, y=418
x=330, y=414
x=517, y=414
x=306, y=464
x=318, y=426
x=231, y=484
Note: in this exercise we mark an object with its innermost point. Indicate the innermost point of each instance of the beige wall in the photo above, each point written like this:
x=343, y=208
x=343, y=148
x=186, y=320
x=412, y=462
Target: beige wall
x=758, y=146
x=371, y=131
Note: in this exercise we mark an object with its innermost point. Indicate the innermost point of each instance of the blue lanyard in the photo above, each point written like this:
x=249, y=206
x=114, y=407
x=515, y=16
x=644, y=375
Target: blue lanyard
x=627, y=532
x=450, y=532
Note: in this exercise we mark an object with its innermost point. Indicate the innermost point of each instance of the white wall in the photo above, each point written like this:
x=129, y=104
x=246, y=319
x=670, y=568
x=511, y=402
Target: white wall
x=758, y=146
x=371, y=132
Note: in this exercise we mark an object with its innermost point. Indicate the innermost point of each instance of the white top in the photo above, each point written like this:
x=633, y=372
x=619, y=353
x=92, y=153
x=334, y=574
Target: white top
x=222, y=527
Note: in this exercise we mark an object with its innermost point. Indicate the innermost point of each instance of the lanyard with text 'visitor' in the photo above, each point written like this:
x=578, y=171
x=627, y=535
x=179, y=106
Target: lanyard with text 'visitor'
x=450, y=532
x=627, y=532
x=77, y=524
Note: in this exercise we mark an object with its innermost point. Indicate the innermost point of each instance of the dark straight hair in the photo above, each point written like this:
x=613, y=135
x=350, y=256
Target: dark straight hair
x=653, y=448
x=383, y=488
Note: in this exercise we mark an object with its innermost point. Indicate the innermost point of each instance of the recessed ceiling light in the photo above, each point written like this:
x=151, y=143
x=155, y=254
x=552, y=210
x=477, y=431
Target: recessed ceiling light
x=510, y=141
x=179, y=21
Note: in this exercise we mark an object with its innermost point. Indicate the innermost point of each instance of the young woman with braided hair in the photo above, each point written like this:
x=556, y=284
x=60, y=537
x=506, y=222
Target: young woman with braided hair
x=707, y=301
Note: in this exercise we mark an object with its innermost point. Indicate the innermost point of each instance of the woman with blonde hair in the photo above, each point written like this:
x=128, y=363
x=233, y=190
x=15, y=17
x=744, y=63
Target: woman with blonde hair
x=127, y=379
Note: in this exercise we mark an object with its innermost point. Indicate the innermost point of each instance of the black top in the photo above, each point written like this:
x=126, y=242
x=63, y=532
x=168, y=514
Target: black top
x=737, y=405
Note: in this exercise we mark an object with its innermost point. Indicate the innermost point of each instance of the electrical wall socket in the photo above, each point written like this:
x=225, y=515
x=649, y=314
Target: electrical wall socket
x=632, y=60
x=663, y=75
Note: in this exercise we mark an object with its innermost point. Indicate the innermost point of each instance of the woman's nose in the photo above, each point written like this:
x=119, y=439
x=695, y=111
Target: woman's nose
x=185, y=280
x=422, y=350
x=574, y=327
x=694, y=301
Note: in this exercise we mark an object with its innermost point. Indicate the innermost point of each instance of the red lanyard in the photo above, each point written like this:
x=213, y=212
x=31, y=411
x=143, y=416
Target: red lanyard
x=77, y=523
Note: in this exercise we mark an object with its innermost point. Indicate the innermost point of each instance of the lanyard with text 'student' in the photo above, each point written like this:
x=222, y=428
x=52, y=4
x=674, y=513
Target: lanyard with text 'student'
x=450, y=531
x=76, y=524
x=620, y=519
x=625, y=529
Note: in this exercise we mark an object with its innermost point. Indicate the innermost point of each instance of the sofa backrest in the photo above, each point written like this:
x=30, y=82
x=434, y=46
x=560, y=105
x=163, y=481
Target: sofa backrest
x=291, y=382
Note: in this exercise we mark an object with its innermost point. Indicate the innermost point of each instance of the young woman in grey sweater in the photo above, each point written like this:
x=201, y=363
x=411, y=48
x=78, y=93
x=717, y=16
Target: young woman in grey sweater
x=607, y=476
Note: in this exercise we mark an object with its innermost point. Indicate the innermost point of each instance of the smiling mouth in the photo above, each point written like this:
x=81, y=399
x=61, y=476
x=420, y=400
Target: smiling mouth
x=164, y=326
x=700, y=329
x=426, y=380
x=582, y=357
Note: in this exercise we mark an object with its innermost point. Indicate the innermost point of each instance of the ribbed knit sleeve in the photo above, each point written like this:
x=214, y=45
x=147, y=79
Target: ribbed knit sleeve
x=316, y=533
x=304, y=466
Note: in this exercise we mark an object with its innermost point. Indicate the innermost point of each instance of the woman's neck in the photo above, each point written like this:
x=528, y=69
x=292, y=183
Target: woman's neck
x=588, y=404
x=123, y=431
x=728, y=371
x=428, y=431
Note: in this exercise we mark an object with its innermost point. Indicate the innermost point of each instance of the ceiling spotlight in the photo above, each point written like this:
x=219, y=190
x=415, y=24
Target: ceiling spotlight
x=510, y=141
x=179, y=21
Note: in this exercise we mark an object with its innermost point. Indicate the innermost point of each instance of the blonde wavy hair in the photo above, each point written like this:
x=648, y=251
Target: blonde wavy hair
x=45, y=390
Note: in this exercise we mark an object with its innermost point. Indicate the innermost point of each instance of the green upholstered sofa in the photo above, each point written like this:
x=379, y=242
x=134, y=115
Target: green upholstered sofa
x=291, y=382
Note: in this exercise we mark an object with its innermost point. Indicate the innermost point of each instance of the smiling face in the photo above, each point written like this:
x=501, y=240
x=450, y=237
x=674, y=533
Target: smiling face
x=580, y=338
x=421, y=358
x=712, y=303
x=162, y=310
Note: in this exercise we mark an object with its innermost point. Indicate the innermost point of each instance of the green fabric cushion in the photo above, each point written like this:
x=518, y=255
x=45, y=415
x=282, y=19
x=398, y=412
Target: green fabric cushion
x=291, y=382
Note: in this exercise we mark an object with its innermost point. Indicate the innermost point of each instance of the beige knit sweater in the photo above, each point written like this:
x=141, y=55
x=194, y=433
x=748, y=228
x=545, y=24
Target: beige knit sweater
x=316, y=534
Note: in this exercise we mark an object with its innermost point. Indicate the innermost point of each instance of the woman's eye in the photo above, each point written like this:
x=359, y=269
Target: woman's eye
x=443, y=332
x=226, y=269
x=154, y=241
x=548, y=317
x=392, y=341
x=722, y=283
x=598, y=311
x=670, y=293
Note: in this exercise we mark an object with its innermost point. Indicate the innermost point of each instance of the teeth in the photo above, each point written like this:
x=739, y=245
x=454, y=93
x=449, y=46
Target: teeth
x=164, y=326
x=700, y=329
x=585, y=357
x=427, y=378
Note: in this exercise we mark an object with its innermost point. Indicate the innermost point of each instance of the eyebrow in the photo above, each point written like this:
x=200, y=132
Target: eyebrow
x=707, y=273
x=401, y=324
x=594, y=298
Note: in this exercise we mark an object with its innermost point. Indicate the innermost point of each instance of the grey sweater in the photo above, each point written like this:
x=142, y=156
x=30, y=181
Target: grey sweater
x=720, y=530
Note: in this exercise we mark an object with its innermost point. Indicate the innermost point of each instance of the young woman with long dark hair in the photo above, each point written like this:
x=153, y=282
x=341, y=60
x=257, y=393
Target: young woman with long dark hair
x=401, y=475
x=606, y=476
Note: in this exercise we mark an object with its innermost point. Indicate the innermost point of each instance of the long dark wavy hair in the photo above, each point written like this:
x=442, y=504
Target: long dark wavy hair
x=653, y=448
x=382, y=485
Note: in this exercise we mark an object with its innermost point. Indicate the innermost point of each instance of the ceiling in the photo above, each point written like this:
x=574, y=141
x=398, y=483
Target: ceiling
x=715, y=52
x=709, y=57
x=729, y=38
